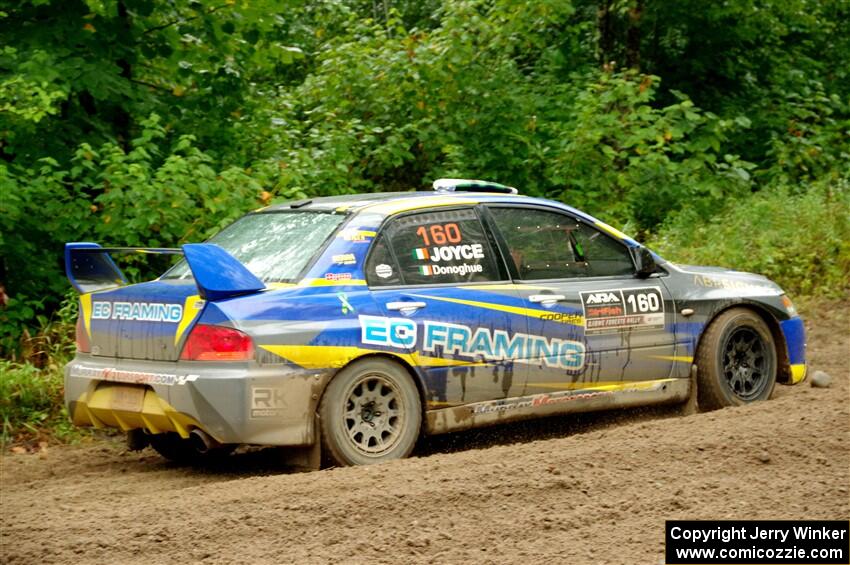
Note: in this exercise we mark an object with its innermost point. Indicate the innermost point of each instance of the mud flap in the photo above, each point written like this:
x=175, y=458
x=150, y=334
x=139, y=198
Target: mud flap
x=691, y=405
x=309, y=457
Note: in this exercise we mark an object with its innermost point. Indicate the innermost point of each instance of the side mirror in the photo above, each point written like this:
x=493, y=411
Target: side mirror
x=644, y=262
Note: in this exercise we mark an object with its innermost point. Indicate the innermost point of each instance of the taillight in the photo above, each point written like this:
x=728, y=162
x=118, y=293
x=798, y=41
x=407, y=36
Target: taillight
x=82, y=336
x=217, y=343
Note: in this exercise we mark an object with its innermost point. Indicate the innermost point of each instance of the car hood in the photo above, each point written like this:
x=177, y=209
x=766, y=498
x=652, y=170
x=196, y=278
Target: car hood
x=722, y=278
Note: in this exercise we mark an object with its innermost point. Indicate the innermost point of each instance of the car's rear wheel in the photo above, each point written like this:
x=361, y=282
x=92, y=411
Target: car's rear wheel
x=736, y=360
x=371, y=412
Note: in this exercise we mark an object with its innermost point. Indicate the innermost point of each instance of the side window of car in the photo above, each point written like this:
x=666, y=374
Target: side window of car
x=381, y=267
x=604, y=255
x=445, y=247
x=539, y=243
x=550, y=245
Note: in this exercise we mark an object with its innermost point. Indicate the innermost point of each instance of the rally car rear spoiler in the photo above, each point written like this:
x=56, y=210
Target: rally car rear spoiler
x=218, y=275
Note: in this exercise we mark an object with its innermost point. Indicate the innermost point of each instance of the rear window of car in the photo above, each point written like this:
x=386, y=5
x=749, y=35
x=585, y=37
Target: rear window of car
x=275, y=247
x=443, y=247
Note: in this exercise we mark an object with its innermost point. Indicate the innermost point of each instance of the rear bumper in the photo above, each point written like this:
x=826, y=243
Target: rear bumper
x=233, y=402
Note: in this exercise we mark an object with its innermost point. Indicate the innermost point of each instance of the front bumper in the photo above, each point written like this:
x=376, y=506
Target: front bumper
x=794, y=333
x=232, y=402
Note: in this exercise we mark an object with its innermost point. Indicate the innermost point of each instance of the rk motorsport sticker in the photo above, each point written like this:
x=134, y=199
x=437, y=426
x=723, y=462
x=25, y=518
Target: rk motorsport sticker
x=613, y=310
x=268, y=402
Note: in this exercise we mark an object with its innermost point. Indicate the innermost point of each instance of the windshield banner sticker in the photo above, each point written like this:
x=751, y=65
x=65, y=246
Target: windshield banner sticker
x=621, y=309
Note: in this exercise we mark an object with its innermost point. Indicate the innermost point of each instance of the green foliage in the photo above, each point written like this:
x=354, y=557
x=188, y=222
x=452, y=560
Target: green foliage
x=633, y=162
x=112, y=196
x=144, y=122
x=31, y=402
x=800, y=239
x=105, y=65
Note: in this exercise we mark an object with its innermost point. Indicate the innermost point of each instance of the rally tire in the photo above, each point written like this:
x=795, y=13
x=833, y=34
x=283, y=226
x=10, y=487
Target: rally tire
x=736, y=360
x=370, y=412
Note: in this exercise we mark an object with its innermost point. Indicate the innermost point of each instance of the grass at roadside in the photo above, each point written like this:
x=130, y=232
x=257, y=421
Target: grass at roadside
x=31, y=406
x=801, y=240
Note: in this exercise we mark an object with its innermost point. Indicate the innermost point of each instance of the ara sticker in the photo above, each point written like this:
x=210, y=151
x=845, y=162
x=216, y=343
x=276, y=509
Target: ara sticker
x=384, y=271
x=618, y=309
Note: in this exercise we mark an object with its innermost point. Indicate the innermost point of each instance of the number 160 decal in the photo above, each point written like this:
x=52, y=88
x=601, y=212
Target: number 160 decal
x=439, y=234
x=622, y=309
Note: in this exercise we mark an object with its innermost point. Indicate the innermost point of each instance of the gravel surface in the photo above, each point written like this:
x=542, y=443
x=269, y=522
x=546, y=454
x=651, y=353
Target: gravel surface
x=582, y=489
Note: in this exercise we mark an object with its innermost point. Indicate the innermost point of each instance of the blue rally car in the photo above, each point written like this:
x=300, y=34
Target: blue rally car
x=352, y=325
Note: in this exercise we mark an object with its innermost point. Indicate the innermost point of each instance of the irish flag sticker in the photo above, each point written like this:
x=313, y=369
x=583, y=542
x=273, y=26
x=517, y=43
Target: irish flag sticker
x=426, y=270
x=421, y=254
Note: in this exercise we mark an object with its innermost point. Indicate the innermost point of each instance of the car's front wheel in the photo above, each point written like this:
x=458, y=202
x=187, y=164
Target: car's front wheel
x=736, y=360
x=371, y=412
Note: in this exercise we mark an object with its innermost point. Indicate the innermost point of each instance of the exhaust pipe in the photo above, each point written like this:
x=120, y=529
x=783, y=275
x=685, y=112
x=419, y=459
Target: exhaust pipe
x=202, y=441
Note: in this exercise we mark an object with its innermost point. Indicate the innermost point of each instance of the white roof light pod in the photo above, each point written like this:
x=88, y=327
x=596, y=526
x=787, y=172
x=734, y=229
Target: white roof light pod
x=472, y=185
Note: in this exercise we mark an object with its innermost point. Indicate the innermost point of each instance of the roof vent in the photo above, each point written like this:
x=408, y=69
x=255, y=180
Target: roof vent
x=470, y=185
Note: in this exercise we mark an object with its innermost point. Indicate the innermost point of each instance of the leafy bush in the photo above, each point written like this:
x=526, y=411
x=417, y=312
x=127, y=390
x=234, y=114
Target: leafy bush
x=632, y=162
x=113, y=196
x=799, y=239
x=31, y=401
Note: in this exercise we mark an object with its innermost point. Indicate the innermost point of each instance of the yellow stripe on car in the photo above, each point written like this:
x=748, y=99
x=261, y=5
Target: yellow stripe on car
x=279, y=285
x=326, y=282
x=85, y=306
x=612, y=230
x=602, y=385
x=335, y=356
x=507, y=286
x=564, y=318
x=191, y=310
x=417, y=203
x=677, y=358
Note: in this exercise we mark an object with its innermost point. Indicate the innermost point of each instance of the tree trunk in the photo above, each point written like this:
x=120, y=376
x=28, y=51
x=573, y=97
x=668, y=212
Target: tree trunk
x=605, y=26
x=122, y=120
x=633, y=36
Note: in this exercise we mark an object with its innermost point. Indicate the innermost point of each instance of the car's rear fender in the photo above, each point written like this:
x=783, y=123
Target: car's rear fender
x=312, y=328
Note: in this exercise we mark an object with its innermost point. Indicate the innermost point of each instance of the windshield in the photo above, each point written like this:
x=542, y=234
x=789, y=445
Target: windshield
x=273, y=246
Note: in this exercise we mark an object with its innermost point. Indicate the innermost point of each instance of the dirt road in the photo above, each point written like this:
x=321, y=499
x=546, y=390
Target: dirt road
x=590, y=489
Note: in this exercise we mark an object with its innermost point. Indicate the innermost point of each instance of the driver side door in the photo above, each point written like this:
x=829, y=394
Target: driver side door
x=580, y=286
